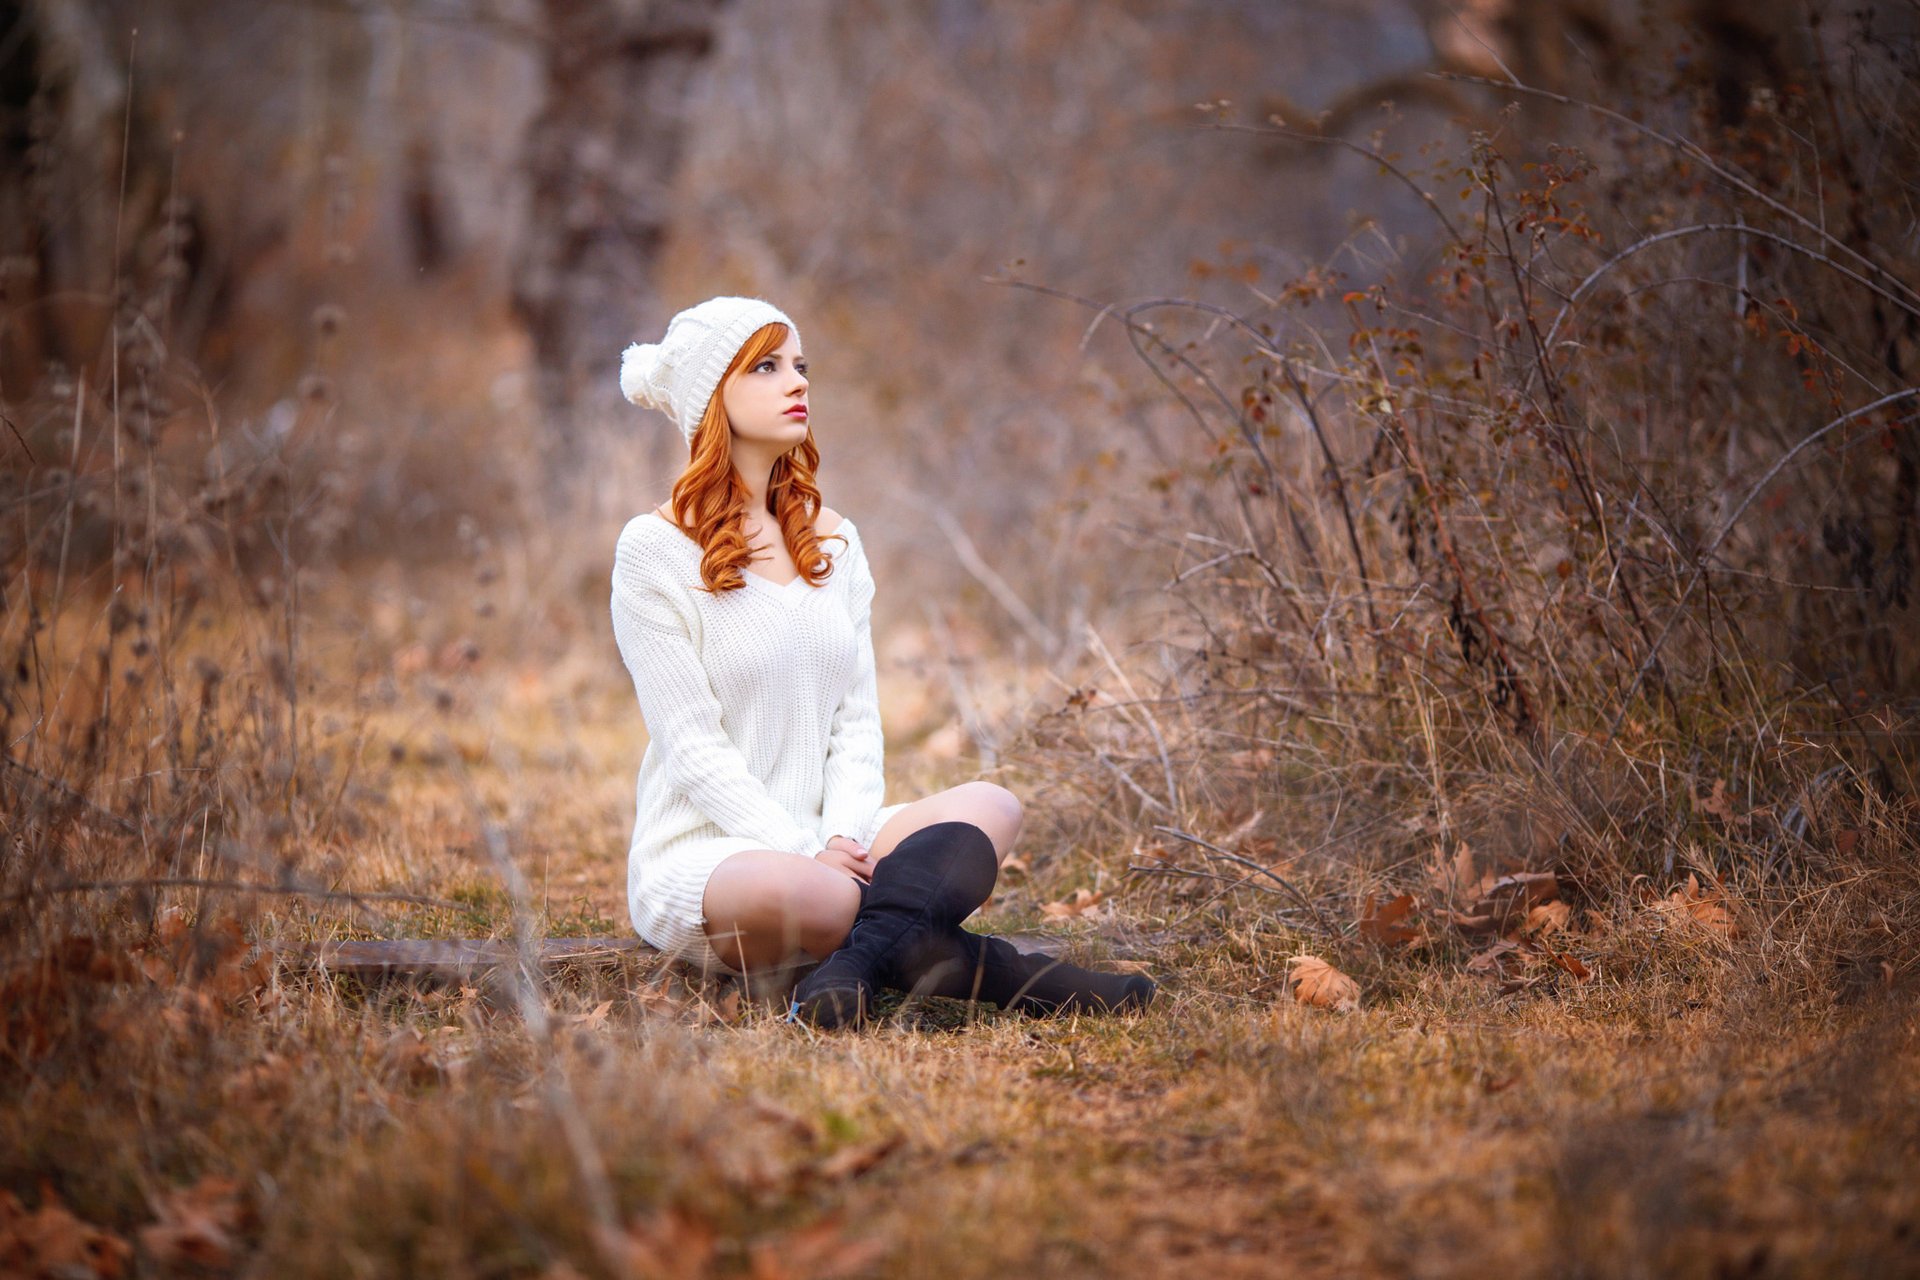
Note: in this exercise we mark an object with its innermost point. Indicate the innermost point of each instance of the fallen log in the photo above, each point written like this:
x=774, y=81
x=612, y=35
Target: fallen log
x=469, y=959
x=455, y=959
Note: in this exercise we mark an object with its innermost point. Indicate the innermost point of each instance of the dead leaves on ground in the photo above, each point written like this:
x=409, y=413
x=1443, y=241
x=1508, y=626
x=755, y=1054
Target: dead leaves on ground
x=185, y=979
x=1083, y=903
x=52, y=1241
x=1526, y=931
x=678, y=1244
x=194, y=1229
x=1702, y=907
x=197, y=1226
x=1523, y=925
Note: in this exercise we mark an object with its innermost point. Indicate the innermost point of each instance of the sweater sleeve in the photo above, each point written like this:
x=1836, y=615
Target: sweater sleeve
x=682, y=712
x=855, y=770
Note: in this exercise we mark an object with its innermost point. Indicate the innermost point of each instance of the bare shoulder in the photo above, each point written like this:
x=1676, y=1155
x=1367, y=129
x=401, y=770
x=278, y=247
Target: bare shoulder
x=827, y=521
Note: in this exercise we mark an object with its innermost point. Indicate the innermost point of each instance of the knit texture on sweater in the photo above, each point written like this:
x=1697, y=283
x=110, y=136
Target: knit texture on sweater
x=761, y=704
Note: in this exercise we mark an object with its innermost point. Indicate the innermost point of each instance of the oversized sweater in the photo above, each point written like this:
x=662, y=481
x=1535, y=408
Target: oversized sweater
x=761, y=704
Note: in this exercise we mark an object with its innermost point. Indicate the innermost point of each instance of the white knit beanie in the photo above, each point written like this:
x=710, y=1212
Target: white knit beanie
x=679, y=374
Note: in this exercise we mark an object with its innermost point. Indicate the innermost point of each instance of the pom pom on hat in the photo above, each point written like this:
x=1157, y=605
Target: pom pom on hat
x=638, y=365
x=679, y=374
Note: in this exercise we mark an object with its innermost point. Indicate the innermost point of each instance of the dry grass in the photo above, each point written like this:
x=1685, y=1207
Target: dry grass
x=1426, y=615
x=1702, y=1105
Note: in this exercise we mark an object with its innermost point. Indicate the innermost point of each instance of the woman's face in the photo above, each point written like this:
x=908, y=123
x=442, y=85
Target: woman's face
x=767, y=401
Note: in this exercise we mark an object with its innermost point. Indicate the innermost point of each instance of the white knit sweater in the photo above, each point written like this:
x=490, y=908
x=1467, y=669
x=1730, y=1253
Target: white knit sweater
x=761, y=704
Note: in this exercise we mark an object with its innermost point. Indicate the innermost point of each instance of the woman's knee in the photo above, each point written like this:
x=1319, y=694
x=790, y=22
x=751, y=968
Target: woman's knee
x=769, y=903
x=987, y=805
x=997, y=810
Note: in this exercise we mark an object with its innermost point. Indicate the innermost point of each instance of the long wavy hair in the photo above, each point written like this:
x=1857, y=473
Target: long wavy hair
x=709, y=501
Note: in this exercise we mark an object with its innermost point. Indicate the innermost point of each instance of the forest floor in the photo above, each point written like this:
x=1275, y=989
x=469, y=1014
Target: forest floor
x=1691, y=1106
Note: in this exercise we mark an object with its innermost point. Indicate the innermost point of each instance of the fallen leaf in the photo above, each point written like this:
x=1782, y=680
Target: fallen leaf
x=595, y=1020
x=818, y=1252
x=1452, y=876
x=671, y=1244
x=1317, y=983
x=1504, y=904
x=1717, y=803
x=1572, y=965
x=1082, y=903
x=1488, y=961
x=51, y=1241
x=196, y=1226
x=1704, y=907
x=1546, y=918
x=1382, y=922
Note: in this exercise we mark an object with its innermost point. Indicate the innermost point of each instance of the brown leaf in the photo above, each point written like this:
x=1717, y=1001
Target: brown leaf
x=1382, y=922
x=819, y=1252
x=196, y=1225
x=51, y=1241
x=1488, y=961
x=1704, y=907
x=1572, y=965
x=670, y=1244
x=1505, y=903
x=1083, y=902
x=1717, y=804
x=593, y=1020
x=1452, y=876
x=1548, y=917
x=1317, y=983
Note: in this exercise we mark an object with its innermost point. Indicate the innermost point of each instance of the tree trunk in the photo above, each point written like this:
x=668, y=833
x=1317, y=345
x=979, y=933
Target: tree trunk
x=600, y=157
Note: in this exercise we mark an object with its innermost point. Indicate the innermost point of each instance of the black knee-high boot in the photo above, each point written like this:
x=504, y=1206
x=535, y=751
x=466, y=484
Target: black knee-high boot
x=949, y=870
x=972, y=966
x=946, y=960
x=938, y=873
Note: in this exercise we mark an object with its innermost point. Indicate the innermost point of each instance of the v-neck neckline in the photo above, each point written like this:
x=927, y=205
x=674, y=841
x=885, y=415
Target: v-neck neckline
x=845, y=527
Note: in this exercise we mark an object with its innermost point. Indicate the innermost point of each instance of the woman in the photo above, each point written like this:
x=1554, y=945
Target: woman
x=742, y=611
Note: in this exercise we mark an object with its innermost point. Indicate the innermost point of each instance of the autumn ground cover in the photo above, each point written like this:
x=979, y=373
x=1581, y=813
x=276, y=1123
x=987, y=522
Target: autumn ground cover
x=1504, y=762
x=1666, y=1086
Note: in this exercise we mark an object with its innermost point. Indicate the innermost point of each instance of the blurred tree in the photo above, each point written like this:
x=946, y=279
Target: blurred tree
x=599, y=160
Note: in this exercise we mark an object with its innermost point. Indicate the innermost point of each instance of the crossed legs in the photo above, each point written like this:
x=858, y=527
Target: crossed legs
x=763, y=905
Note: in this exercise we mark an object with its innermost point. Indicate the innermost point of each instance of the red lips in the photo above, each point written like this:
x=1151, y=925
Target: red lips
x=798, y=410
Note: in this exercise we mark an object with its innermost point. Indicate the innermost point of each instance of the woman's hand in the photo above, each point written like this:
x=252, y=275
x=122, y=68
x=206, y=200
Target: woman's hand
x=849, y=856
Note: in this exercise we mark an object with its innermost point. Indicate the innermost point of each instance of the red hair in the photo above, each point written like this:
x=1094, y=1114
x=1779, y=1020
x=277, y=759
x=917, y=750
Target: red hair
x=709, y=501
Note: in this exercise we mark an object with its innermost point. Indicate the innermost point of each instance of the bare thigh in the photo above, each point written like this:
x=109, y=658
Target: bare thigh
x=987, y=805
x=763, y=905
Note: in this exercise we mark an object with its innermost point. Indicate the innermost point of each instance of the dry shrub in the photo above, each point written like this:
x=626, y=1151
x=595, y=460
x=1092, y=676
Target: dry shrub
x=1587, y=551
